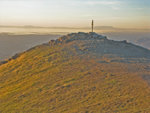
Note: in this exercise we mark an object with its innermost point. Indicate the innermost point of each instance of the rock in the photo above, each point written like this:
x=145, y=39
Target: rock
x=3, y=62
x=124, y=41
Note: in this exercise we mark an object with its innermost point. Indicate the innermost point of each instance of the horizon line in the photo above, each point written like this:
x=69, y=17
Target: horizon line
x=70, y=27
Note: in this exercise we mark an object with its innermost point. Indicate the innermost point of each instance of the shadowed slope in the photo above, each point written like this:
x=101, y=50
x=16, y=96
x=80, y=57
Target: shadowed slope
x=75, y=74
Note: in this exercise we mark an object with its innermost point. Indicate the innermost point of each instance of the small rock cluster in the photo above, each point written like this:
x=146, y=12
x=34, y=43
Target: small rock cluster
x=78, y=36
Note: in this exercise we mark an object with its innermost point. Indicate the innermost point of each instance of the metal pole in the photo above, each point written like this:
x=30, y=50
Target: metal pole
x=92, y=25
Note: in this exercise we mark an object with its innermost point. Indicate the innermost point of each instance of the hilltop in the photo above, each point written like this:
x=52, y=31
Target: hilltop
x=79, y=72
x=97, y=45
x=100, y=45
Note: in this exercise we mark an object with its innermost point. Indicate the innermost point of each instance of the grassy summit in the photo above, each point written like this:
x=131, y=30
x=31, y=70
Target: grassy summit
x=80, y=72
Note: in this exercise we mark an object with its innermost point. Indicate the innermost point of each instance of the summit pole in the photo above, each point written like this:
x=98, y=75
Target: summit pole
x=92, y=25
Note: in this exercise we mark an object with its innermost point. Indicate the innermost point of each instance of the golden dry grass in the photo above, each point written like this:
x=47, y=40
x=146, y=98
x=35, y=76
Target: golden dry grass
x=58, y=80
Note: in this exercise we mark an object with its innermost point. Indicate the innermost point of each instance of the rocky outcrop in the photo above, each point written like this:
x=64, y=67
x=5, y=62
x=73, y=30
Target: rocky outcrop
x=97, y=44
x=77, y=36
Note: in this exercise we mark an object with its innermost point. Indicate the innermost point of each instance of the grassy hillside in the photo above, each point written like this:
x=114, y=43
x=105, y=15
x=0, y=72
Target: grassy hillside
x=60, y=78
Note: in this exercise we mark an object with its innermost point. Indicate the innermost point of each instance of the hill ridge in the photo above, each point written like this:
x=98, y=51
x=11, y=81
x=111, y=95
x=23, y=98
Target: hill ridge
x=95, y=43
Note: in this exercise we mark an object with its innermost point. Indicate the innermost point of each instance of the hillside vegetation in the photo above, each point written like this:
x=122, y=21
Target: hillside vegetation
x=77, y=73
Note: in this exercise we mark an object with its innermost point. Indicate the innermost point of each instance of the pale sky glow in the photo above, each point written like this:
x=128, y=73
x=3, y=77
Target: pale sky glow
x=76, y=13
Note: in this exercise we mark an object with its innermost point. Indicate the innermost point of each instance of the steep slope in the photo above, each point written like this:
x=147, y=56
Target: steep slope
x=80, y=72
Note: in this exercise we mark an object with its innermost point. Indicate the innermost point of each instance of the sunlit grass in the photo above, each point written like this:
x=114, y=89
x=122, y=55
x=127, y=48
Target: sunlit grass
x=58, y=79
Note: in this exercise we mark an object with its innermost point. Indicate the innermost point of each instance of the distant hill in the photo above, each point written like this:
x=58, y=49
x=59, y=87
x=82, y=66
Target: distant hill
x=77, y=73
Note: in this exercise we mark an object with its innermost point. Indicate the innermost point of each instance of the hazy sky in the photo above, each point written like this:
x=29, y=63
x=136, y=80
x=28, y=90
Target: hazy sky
x=77, y=13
